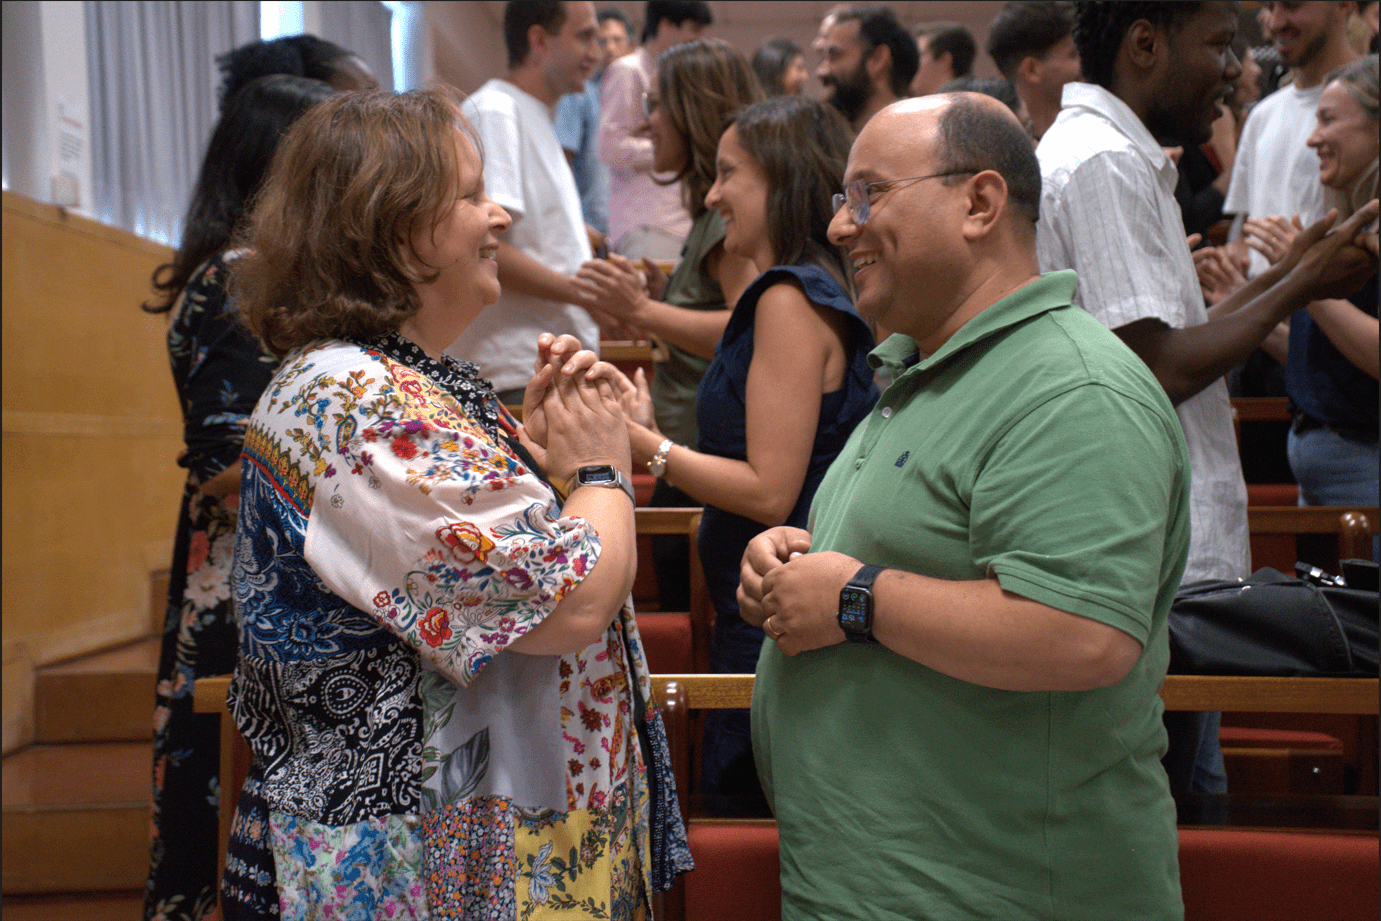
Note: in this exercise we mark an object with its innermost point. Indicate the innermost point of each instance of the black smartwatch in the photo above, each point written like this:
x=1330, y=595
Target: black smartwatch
x=605, y=475
x=856, y=605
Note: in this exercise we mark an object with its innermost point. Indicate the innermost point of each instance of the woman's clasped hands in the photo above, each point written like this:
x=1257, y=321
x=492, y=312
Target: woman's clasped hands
x=572, y=415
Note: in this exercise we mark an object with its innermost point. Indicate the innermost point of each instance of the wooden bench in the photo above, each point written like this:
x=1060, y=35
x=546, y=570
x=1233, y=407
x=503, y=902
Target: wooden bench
x=676, y=641
x=1276, y=531
x=720, y=842
x=1226, y=873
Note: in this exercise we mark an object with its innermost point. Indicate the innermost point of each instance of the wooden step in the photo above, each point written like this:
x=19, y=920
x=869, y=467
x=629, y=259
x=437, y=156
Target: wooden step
x=76, y=817
x=70, y=906
x=106, y=697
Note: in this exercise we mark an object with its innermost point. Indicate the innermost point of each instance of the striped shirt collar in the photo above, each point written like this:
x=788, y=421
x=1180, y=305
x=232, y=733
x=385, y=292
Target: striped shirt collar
x=1117, y=113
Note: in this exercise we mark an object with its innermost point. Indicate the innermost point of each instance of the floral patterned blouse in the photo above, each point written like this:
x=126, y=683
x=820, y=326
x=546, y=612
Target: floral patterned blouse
x=390, y=549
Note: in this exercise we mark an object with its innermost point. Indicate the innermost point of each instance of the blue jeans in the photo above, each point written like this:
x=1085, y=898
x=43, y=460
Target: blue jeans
x=1334, y=470
x=1331, y=469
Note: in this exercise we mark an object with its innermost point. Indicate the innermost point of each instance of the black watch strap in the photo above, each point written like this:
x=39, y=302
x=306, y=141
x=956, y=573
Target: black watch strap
x=865, y=575
x=856, y=605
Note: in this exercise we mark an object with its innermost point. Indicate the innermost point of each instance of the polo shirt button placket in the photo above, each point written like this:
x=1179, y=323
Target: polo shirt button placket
x=887, y=412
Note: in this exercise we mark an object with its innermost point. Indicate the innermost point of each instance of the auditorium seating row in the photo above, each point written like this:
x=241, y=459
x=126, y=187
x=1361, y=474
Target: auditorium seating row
x=1316, y=857
x=1238, y=860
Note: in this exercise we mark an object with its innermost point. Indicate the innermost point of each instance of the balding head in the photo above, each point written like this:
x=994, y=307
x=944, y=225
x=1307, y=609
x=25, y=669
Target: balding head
x=975, y=132
x=941, y=163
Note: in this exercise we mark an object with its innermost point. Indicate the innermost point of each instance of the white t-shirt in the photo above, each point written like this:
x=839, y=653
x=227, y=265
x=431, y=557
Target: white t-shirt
x=1108, y=211
x=1275, y=171
x=526, y=172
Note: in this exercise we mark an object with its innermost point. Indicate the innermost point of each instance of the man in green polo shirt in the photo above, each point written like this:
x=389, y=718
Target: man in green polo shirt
x=984, y=739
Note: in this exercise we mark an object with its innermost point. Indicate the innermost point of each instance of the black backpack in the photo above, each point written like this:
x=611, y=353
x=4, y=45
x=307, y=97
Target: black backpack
x=1311, y=626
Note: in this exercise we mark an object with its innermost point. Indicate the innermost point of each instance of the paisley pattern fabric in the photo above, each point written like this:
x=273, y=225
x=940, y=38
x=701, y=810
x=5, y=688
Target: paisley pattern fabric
x=219, y=371
x=391, y=548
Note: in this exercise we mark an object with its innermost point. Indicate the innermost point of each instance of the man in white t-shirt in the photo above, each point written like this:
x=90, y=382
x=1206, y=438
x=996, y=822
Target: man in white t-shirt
x=552, y=48
x=1156, y=73
x=1275, y=172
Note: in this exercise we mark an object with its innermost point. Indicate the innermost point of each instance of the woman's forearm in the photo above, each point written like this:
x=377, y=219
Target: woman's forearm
x=1352, y=332
x=581, y=617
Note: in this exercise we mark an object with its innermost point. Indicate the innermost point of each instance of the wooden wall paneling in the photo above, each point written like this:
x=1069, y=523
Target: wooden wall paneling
x=92, y=430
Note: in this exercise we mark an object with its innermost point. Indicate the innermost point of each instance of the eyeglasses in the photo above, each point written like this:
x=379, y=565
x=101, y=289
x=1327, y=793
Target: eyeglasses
x=856, y=194
x=650, y=102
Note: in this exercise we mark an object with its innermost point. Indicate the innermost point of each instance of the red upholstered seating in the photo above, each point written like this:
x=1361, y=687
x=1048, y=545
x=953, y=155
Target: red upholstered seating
x=1245, y=737
x=668, y=642
x=1243, y=875
x=1272, y=493
x=736, y=874
x=1226, y=875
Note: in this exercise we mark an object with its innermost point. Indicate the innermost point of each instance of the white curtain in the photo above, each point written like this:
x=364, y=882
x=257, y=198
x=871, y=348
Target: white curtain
x=153, y=81
x=153, y=76
x=363, y=26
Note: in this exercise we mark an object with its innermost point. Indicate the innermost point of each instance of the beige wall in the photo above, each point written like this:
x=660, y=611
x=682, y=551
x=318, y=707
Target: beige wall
x=468, y=46
x=91, y=433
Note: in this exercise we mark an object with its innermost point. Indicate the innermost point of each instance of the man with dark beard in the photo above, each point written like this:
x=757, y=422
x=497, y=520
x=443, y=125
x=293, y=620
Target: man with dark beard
x=867, y=62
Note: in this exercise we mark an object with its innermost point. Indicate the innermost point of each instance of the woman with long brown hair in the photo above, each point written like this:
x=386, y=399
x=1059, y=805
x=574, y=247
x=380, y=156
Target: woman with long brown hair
x=700, y=84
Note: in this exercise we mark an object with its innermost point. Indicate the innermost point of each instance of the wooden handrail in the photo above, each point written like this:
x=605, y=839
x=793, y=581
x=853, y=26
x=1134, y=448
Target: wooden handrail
x=1180, y=692
x=1261, y=409
x=1242, y=694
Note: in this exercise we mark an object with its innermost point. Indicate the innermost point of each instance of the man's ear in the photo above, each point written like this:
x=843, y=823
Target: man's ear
x=879, y=65
x=538, y=40
x=1029, y=70
x=1144, y=44
x=987, y=204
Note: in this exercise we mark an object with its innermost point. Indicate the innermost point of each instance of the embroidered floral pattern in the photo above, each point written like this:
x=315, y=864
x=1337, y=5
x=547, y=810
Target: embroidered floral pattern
x=359, y=653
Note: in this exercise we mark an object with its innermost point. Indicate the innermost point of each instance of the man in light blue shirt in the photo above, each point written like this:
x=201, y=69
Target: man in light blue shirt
x=577, y=123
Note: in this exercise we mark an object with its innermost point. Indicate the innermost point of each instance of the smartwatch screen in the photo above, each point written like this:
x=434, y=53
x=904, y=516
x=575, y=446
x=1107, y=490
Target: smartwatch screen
x=854, y=607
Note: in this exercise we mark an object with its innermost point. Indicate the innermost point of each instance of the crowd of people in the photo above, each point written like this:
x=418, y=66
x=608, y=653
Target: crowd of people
x=894, y=320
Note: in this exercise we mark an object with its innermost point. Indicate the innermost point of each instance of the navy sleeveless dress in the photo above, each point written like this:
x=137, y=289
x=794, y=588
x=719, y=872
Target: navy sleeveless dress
x=727, y=766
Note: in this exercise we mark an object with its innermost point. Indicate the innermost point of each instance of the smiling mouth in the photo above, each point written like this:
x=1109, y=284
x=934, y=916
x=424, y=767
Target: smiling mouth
x=864, y=261
x=491, y=253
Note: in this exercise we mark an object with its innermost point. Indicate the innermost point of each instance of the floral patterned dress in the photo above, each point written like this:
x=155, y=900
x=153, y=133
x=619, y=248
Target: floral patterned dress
x=220, y=372
x=405, y=765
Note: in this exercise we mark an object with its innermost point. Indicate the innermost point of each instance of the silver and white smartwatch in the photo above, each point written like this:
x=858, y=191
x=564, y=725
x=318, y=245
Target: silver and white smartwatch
x=604, y=475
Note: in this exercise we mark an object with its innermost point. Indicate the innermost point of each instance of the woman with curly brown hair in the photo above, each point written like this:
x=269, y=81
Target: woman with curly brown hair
x=440, y=677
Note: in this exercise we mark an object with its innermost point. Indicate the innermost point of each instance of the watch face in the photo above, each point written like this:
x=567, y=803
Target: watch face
x=855, y=608
x=591, y=476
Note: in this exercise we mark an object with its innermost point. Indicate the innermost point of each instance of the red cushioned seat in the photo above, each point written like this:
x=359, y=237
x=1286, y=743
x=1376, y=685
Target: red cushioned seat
x=1242, y=875
x=1272, y=494
x=667, y=642
x=1248, y=737
x=737, y=872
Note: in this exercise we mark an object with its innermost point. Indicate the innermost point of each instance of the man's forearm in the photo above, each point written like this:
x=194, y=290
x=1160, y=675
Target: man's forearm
x=521, y=274
x=977, y=632
x=1187, y=360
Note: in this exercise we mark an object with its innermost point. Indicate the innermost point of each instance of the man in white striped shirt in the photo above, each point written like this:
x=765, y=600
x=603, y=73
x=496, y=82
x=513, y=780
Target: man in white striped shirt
x=1156, y=73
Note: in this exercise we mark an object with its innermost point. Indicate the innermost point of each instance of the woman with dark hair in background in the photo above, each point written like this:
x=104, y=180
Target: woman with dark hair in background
x=789, y=380
x=780, y=67
x=699, y=85
x=299, y=56
x=219, y=371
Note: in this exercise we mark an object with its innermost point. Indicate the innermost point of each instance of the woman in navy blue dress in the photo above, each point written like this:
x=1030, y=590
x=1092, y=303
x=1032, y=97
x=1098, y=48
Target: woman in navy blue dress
x=788, y=383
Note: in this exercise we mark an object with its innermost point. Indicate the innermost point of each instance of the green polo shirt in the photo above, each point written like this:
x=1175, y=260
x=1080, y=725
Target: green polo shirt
x=1036, y=448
